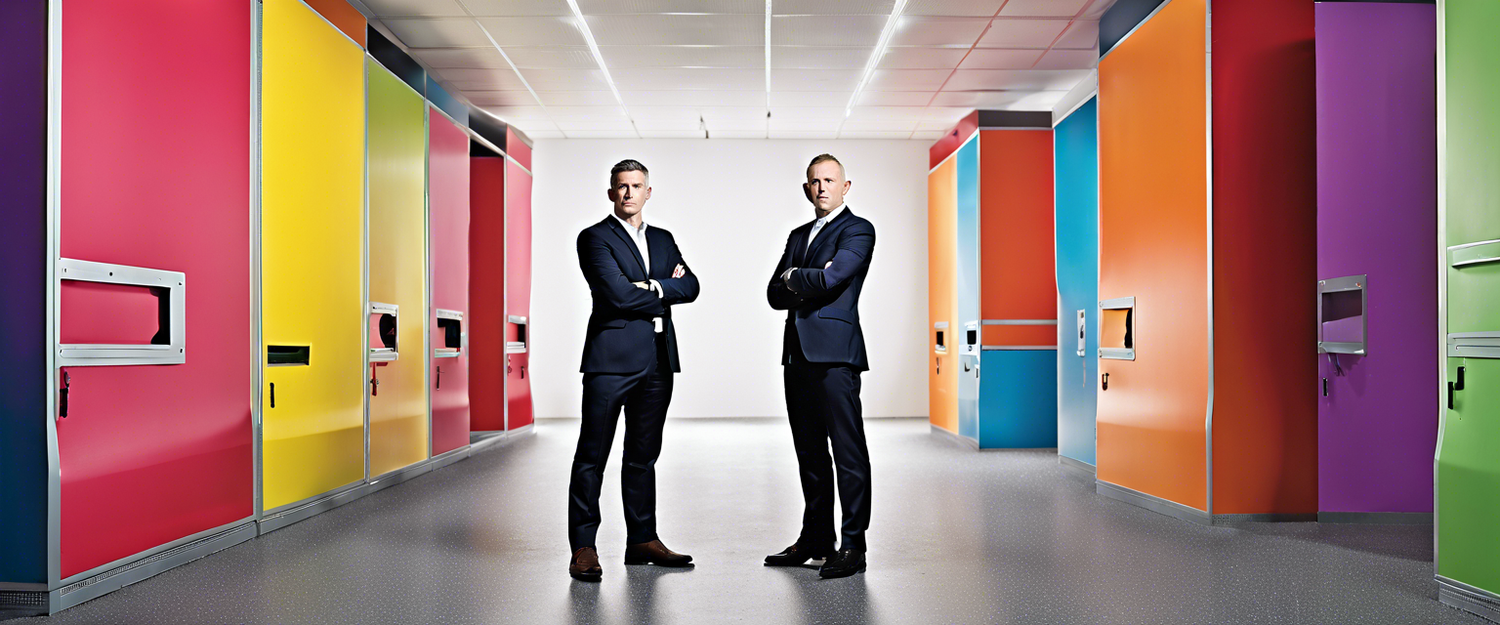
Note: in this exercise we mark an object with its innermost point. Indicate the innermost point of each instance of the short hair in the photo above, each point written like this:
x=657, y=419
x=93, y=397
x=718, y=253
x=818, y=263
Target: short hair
x=821, y=158
x=627, y=165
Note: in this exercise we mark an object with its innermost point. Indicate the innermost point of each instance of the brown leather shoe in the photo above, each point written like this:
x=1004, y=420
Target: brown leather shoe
x=585, y=565
x=656, y=553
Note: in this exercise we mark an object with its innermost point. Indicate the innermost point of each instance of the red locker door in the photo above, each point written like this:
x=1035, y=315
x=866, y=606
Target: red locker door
x=518, y=284
x=486, y=325
x=155, y=176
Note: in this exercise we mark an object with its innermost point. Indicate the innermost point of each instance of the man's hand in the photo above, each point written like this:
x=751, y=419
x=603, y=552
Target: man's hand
x=642, y=285
x=679, y=272
x=830, y=264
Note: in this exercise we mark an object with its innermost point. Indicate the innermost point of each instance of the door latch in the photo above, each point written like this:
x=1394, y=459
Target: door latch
x=1105, y=382
x=62, y=396
x=440, y=376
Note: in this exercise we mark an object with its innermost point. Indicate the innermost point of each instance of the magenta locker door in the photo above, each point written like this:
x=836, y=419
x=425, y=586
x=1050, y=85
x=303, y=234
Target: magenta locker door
x=518, y=284
x=155, y=177
x=448, y=210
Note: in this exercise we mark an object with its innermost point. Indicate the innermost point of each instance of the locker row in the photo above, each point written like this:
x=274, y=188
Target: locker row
x=1252, y=285
x=240, y=285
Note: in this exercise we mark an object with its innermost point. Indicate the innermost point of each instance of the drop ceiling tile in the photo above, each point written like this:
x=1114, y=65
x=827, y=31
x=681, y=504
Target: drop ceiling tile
x=931, y=126
x=820, y=57
x=552, y=57
x=672, y=134
x=605, y=7
x=577, y=98
x=619, y=57
x=566, y=79
x=517, y=8
x=810, y=98
x=844, y=80
x=482, y=79
x=1042, y=8
x=938, y=31
x=878, y=126
x=708, y=79
x=947, y=114
x=601, y=134
x=441, y=58
x=734, y=116
x=570, y=126
x=690, y=98
x=600, y=114
x=1023, y=79
x=501, y=98
x=517, y=112
x=847, y=134
x=922, y=58
x=973, y=8
x=907, y=79
x=664, y=114
x=678, y=30
x=894, y=98
x=932, y=135
x=543, y=134
x=1022, y=33
x=833, y=7
x=1069, y=59
x=654, y=125
x=888, y=114
x=1001, y=100
x=819, y=30
x=810, y=125
x=987, y=58
x=437, y=33
x=736, y=134
x=800, y=134
x=410, y=8
x=1080, y=36
x=808, y=113
x=510, y=32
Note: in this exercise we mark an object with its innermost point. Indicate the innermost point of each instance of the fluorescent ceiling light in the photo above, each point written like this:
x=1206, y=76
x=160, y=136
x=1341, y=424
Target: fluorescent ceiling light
x=768, y=68
x=588, y=36
x=885, y=40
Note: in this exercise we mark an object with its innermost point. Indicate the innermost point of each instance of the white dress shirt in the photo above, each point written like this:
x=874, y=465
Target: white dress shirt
x=813, y=234
x=639, y=236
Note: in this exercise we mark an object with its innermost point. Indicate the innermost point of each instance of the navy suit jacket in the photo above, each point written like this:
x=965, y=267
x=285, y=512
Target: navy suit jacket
x=823, y=304
x=621, y=337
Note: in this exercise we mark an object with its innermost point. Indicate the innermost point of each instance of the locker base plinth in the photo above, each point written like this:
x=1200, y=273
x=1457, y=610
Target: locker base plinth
x=450, y=457
x=1077, y=468
x=1194, y=515
x=954, y=437
x=1476, y=601
x=288, y=515
x=15, y=603
x=398, y=476
x=1377, y=518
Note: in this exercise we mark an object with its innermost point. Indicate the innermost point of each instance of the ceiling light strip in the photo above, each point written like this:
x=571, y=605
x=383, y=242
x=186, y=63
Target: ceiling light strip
x=513, y=68
x=885, y=40
x=588, y=36
x=768, y=69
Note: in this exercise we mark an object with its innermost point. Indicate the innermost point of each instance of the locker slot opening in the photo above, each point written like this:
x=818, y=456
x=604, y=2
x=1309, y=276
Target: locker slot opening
x=288, y=355
x=384, y=327
x=450, y=328
x=1342, y=321
x=119, y=315
x=516, y=335
x=1117, y=329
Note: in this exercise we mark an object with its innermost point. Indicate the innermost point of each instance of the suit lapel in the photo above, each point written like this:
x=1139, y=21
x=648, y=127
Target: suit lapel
x=658, y=246
x=829, y=232
x=799, y=243
x=629, y=242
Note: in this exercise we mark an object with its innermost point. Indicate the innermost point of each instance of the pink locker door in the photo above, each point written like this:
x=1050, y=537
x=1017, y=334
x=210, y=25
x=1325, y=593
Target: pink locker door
x=518, y=284
x=448, y=201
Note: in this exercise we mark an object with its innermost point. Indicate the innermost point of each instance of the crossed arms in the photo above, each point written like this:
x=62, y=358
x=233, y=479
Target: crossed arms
x=612, y=289
x=800, y=285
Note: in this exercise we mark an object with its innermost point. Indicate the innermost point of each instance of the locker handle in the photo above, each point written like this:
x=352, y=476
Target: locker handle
x=523, y=372
x=1325, y=387
x=62, y=399
x=1105, y=382
x=1460, y=384
x=440, y=376
x=273, y=394
x=1450, y=395
x=374, y=381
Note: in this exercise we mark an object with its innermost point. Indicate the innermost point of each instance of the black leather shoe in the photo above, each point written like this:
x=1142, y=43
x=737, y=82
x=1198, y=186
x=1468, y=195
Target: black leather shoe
x=796, y=555
x=843, y=564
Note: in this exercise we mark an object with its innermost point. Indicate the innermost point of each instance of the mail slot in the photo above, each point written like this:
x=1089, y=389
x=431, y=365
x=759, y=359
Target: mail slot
x=121, y=315
x=516, y=335
x=288, y=355
x=939, y=341
x=385, y=320
x=1342, y=322
x=1117, y=319
x=450, y=330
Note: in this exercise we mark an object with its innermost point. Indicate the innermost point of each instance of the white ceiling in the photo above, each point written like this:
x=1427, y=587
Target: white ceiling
x=680, y=68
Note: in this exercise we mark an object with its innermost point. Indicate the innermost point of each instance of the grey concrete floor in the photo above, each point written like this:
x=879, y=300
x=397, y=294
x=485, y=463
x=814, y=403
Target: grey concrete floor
x=957, y=537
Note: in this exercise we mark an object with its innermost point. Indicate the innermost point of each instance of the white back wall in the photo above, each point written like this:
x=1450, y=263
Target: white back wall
x=730, y=204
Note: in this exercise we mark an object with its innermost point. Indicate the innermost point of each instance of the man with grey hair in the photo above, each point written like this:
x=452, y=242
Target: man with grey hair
x=636, y=275
x=818, y=283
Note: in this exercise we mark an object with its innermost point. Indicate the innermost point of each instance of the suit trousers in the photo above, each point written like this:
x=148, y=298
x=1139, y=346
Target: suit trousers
x=822, y=403
x=644, y=397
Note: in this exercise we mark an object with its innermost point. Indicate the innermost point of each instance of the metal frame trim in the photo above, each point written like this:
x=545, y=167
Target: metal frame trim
x=105, y=583
x=95, y=355
x=257, y=329
x=965, y=142
x=1439, y=395
x=1474, y=253
x=1471, y=599
x=383, y=354
x=427, y=268
x=54, y=235
x=1152, y=503
x=364, y=269
x=1092, y=94
x=1208, y=117
x=1343, y=285
x=1377, y=518
x=1472, y=345
x=142, y=555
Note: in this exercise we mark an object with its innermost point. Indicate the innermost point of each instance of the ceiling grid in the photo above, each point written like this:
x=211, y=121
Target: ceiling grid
x=748, y=68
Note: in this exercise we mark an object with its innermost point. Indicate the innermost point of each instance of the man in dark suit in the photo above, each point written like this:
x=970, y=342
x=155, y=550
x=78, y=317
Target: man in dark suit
x=818, y=282
x=635, y=274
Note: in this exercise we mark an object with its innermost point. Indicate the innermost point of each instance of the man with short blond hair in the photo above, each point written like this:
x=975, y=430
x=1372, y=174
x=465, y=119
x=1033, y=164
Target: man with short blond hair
x=818, y=283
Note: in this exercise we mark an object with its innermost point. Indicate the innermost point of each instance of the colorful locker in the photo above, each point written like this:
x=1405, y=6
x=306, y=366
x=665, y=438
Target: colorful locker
x=517, y=280
x=1207, y=222
x=448, y=215
x=487, y=286
x=128, y=300
x=397, y=252
x=1377, y=220
x=942, y=263
x=1468, y=469
x=312, y=275
x=1004, y=288
x=1076, y=137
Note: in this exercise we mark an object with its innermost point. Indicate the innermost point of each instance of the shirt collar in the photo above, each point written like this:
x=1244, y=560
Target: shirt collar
x=832, y=215
x=627, y=225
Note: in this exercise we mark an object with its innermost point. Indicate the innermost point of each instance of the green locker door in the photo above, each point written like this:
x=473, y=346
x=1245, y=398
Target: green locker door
x=1468, y=455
